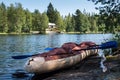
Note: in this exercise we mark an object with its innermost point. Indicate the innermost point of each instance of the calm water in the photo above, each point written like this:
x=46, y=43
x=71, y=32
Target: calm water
x=10, y=45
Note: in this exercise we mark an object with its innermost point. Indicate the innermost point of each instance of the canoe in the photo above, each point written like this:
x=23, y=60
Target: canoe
x=38, y=64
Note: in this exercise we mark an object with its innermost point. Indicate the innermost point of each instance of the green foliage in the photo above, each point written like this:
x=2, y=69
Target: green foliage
x=78, y=21
x=109, y=20
x=110, y=11
x=55, y=17
x=117, y=38
x=94, y=26
x=3, y=18
x=27, y=27
x=44, y=22
x=36, y=21
x=58, y=20
x=82, y=23
x=114, y=51
x=11, y=18
x=51, y=13
x=69, y=24
x=18, y=20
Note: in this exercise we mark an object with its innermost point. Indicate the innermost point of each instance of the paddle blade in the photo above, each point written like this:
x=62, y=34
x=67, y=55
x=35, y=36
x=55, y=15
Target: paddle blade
x=110, y=44
x=21, y=56
x=49, y=49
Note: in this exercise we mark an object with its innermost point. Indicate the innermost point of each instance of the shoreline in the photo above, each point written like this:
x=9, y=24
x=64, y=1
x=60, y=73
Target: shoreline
x=49, y=33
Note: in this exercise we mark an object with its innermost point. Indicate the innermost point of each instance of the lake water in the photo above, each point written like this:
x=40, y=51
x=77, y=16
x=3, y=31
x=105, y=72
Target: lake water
x=11, y=45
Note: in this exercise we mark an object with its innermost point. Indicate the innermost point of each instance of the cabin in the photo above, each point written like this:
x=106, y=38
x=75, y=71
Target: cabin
x=51, y=28
x=51, y=25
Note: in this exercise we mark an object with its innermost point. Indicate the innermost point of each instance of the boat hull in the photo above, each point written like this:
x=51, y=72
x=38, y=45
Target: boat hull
x=39, y=65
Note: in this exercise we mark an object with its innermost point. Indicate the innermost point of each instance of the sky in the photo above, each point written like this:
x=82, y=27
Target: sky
x=63, y=6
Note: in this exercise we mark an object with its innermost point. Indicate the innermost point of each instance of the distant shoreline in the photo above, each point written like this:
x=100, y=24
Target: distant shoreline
x=13, y=33
x=49, y=33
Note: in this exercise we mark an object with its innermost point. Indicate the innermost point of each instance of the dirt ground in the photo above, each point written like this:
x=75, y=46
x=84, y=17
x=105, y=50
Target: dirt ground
x=88, y=69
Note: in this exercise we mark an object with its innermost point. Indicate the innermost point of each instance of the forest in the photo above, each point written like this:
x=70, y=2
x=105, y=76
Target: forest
x=15, y=19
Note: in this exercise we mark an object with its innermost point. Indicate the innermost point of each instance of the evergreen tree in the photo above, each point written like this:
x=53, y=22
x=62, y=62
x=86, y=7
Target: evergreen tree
x=102, y=28
x=73, y=23
x=85, y=24
x=19, y=17
x=44, y=22
x=78, y=21
x=3, y=18
x=51, y=13
x=68, y=21
x=93, y=22
x=16, y=18
x=82, y=23
x=11, y=18
x=58, y=20
x=28, y=22
x=101, y=24
x=111, y=10
x=36, y=21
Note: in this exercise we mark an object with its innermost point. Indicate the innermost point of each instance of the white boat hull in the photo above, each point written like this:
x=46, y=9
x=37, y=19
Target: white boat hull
x=38, y=65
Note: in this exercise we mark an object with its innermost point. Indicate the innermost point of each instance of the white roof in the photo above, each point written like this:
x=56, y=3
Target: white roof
x=51, y=24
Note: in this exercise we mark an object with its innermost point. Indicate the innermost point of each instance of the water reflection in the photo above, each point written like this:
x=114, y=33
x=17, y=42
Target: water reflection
x=11, y=45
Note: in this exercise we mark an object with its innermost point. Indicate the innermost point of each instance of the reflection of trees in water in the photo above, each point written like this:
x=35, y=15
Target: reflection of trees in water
x=52, y=39
x=11, y=43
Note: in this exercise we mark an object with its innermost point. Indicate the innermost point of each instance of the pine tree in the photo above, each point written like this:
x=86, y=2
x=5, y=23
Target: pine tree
x=36, y=22
x=78, y=22
x=3, y=18
x=27, y=27
x=111, y=10
x=51, y=13
x=58, y=20
x=11, y=18
x=20, y=18
x=44, y=22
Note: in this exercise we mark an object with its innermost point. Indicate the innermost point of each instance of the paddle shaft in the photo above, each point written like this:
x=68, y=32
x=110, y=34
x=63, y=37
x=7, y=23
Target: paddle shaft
x=110, y=44
x=89, y=48
x=22, y=56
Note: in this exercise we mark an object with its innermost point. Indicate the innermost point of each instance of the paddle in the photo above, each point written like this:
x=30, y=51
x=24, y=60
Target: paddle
x=106, y=45
x=48, y=48
x=110, y=44
x=22, y=56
